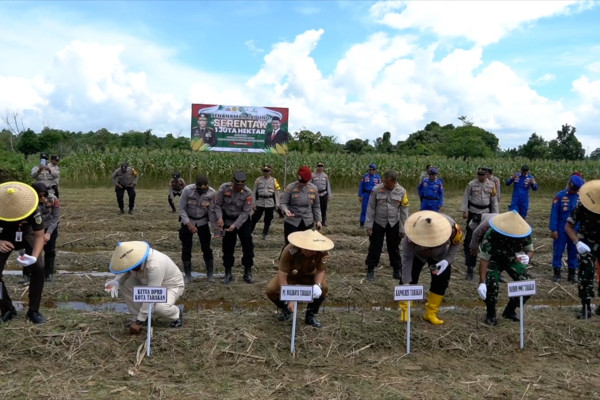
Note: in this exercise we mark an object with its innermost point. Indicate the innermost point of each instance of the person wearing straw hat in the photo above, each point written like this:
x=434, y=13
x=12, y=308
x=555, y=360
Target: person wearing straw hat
x=50, y=210
x=522, y=181
x=586, y=217
x=563, y=205
x=22, y=229
x=137, y=264
x=302, y=262
x=300, y=204
x=434, y=239
x=266, y=199
x=323, y=184
x=507, y=246
x=386, y=215
x=231, y=206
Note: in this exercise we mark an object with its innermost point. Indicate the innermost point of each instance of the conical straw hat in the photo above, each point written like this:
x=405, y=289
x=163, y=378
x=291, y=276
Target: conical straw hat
x=510, y=224
x=310, y=240
x=17, y=201
x=589, y=195
x=428, y=228
x=128, y=255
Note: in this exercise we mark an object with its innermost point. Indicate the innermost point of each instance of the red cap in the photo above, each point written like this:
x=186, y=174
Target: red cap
x=305, y=173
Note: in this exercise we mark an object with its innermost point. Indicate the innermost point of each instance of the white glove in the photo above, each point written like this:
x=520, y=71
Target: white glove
x=317, y=291
x=524, y=259
x=441, y=267
x=482, y=290
x=26, y=260
x=582, y=247
x=113, y=288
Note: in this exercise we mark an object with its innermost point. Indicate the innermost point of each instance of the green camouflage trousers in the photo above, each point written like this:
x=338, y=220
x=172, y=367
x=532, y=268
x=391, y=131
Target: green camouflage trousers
x=516, y=270
x=587, y=269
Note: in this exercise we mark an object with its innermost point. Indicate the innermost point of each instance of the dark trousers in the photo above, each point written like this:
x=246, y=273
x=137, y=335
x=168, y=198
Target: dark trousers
x=439, y=283
x=323, y=200
x=244, y=232
x=470, y=260
x=392, y=236
x=289, y=228
x=257, y=215
x=187, y=242
x=36, y=272
x=50, y=253
x=121, y=193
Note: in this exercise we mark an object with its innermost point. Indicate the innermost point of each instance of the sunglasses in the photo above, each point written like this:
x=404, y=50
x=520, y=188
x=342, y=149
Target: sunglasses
x=239, y=183
x=266, y=170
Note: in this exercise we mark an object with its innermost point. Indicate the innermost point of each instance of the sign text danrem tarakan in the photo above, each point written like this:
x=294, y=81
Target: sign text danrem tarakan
x=240, y=124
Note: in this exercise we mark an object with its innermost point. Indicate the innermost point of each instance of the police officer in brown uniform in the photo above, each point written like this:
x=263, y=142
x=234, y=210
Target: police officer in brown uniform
x=196, y=217
x=300, y=204
x=321, y=180
x=176, y=185
x=480, y=197
x=302, y=262
x=125, y=178
x=232, y=206
x=47, y=172
x=386, y=213
x=21, y=227
x=50, y=209
x=266, y=199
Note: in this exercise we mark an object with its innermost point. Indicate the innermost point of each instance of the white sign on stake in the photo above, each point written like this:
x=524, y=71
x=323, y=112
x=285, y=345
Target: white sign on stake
x=295, y=293
x=408, y=293
x=520, y=289
x=149, y=294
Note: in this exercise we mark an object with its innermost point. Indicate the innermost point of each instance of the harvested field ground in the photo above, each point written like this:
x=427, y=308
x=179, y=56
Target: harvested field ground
x=231, y=345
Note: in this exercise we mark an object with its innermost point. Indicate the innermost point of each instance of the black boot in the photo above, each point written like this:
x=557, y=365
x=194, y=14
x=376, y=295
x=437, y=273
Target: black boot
x=248, y=274
x=370, y=273
x=187, y=270
x=509, y=310
x=35, y=317
x=49, y=268
x=586, y=309
x=469, y=276
x=312, y=309
x=228, y=277
x=284, y=312
x=556, y=278
x=210, y=271
x=8, y=315
x=171, y=204
x=178, y=323
x=397, y=274
x=571, y=278
x=490, y=317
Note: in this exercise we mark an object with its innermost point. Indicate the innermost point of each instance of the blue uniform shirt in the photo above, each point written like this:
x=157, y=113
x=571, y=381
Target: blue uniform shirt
x=367, y=183
x=563, y=204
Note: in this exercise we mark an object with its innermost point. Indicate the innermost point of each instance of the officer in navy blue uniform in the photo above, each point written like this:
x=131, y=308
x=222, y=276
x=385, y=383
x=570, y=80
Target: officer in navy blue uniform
x=431, y=192
x=367, y=183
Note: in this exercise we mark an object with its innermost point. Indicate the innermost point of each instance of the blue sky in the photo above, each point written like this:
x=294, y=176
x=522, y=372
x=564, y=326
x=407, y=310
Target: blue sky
x=349, y=69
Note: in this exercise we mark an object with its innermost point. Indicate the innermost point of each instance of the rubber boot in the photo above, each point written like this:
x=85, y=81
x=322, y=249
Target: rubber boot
x=228, y=277
x=210, y=271
x=49, y=268
x=370, y=273
x=586, y=309
x=571, y=278
x=171, y=204
x=248, y=274
x=187, y=270
x=284, y=312
x=509, y=310
x=312, y=309
x=403, y=307
x=556, y=278
x=469, y=276
x=432, y=307
x=397, y=274
x=490, y=317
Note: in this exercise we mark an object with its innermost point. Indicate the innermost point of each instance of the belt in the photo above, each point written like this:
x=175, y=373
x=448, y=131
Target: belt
x=431, y=198
x=265, y=197
x=367, y=191
x=478, y=206
x=198, y=219
x=322, y=191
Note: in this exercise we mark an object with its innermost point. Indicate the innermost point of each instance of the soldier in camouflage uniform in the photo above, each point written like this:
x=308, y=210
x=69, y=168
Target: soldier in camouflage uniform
x=386, y=214
x=507, y=246
x=266, y=199
x=586, y=216
x=321, y=180
x=196, y=217
x=176, y=185
x=480, y=197
x=125, y=178
x=50, y=209
x=232, y=206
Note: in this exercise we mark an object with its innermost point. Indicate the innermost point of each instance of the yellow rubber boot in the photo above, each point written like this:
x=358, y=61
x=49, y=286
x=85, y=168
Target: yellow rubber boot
x=431, y=308
x=403, y=307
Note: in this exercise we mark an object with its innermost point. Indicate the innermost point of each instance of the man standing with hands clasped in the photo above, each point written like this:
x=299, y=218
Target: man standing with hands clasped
x=321, y=180
x=125, y=178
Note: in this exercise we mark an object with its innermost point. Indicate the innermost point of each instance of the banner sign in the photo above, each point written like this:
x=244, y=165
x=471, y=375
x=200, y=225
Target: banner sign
x=408, y=292
x=149, y=294
x=522, y=288
x=239, y=129
x=296, y=293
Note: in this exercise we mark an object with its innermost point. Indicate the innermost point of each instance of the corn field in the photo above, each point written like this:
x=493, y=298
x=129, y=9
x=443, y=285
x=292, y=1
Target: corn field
x=94, y=168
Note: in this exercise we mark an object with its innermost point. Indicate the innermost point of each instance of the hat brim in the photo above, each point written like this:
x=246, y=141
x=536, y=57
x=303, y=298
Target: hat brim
x=310, y=240
x=589, y=195
x=17, y=201
x=511, y=224
x=128, y=255
x=428, y=228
